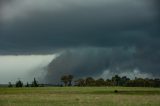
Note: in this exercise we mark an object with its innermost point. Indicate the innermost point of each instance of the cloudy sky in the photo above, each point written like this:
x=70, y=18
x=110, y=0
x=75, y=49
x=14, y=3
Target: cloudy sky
x=91, y=37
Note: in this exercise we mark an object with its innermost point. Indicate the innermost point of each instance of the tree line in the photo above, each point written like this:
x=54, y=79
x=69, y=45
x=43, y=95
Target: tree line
x=19, y=83
x=114, y=81
x=68, y=80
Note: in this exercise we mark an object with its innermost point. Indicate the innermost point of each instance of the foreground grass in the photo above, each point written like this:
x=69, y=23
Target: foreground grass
x=80, y=96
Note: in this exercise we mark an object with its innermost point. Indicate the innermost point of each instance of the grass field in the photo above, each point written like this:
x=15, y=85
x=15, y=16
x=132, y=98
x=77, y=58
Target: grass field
x=80, y=96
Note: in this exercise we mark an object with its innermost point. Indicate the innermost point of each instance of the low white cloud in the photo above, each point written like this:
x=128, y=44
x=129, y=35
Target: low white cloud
x=108, y=74
x=23, y=67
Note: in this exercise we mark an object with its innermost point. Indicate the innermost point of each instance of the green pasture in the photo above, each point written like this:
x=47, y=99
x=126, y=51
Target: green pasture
x=80, y=96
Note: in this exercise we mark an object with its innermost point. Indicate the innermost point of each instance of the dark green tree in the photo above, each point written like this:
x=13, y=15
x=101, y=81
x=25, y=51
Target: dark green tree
x=34, y=83
x=65, y=80
x=27, y=85
x=80, y=82
x=10, y=85
x=123, y=81
x=90, y=81
x=70, y=78
x=109, y=82
x=19, y=83
x=116, y=80
x=100, y=82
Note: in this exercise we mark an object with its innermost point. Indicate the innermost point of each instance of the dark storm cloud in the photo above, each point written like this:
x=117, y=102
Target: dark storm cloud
x=84, y=62
x=45, y=25
x=100, y=33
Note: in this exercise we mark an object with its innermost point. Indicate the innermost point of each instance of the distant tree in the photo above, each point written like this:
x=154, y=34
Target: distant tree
x=116, y=80
x=70, y=78
x=109, y=82
x=123, y=81
x=64, y=79
x=80, y=82
x=156, y=82
x=27, y=85
x=19, y=83
x=146, y=82
x=139, y=82
x=34, y=83
x=67, y=80
x=100, y=82
x=90, y=81
x=10, y=85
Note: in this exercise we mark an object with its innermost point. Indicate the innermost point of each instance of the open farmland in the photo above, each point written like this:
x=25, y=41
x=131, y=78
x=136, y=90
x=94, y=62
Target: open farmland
x=80, y=96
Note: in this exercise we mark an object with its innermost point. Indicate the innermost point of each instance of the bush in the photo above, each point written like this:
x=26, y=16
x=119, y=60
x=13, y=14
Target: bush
x=115, y=91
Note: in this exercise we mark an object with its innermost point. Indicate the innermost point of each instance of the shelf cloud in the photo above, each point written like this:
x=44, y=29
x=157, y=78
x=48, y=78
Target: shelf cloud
x=97, y=29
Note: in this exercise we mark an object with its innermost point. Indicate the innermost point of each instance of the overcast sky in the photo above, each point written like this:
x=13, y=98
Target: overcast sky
x=78, y=28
